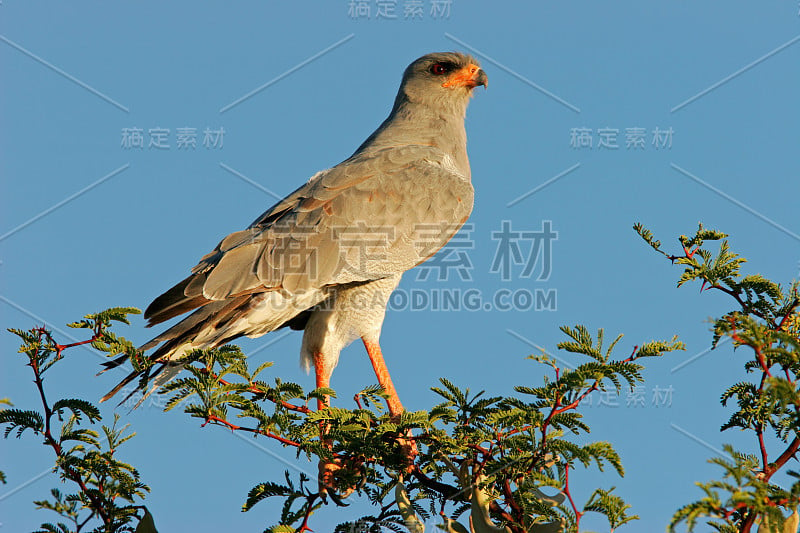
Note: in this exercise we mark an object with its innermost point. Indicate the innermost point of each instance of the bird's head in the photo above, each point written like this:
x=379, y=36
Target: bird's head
x=442, y=77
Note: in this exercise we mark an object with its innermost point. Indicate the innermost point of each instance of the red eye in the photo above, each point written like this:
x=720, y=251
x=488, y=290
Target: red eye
x=438, y=69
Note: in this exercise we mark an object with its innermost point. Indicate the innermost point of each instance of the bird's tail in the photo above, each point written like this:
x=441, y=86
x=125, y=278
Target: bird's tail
x=155, y=379
x=197, y=330
x=211, y=326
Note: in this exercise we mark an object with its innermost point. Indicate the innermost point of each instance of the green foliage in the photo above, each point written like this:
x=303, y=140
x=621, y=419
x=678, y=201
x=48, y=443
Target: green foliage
x=106, y=487
x=741, y=492
x=4, y=401
x=766, y=321
x=497, y=463
x=492, y=457
x=292, y=494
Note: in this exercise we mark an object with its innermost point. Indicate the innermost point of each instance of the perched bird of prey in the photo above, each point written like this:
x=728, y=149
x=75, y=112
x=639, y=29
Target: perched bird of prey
x=326, y=258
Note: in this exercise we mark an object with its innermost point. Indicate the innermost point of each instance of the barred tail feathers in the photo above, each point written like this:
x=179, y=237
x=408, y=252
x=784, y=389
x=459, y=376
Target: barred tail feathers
x=211, y=326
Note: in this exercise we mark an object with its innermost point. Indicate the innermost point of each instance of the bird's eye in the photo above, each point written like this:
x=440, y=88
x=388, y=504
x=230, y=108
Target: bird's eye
x=439, y=68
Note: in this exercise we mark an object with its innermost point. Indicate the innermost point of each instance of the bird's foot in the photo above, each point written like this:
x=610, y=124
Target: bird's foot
x=332, y=471
x=408, y=447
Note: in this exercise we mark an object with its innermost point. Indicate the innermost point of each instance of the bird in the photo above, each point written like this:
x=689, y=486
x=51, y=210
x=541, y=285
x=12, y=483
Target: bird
x=326, y=258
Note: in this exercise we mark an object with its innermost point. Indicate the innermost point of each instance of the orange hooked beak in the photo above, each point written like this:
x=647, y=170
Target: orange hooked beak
x=470, y=76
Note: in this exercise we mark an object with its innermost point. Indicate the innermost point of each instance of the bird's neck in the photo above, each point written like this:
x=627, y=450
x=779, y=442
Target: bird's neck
x=439, y=125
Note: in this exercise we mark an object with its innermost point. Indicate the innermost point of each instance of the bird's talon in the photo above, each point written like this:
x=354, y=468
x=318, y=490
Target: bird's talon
x=327, y=482
x=408, y=446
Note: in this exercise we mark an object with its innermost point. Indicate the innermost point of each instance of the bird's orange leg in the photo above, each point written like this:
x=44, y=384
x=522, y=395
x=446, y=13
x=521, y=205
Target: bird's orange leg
x=393, y=402
x=326, y=468
x=323, y=376
x=385, y=380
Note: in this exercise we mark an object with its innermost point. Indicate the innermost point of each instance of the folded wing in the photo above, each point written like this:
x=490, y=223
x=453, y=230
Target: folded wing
x=374, y=215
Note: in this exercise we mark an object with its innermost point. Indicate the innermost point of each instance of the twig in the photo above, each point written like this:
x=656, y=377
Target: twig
x=97, y=505
x=234, y=427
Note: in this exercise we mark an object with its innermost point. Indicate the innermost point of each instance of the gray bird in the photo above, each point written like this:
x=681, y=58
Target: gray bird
x=326, y=258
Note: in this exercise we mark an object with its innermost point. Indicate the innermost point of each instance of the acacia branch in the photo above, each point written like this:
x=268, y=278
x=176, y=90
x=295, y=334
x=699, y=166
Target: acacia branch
x=449, y=492
x=495, y=508
x=578, y=514
x=511, y=502
x=234, y=427
x=309, y=509
x=71, y=474
x=256, y=390
x=787, y=454
x=789, y=313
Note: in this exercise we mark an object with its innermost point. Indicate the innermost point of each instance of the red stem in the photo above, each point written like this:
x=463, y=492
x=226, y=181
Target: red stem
x=509, y=499
x=578, y=514
x=255, y=390
x=61, y=347
x=310, y=502
x=97, y=505
x=757, y=349
x=234, y=427
x=789, y=313
x=787, y=454
x=357, y=399
x=762, y=447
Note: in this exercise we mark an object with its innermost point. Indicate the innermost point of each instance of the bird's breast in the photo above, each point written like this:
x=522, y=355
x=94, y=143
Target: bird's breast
x=352, y=311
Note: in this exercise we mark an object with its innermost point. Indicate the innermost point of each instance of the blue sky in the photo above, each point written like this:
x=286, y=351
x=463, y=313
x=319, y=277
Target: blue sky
x=88, y=223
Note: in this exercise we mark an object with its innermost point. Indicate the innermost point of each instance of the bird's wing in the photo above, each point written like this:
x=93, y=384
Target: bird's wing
x=371, y=216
